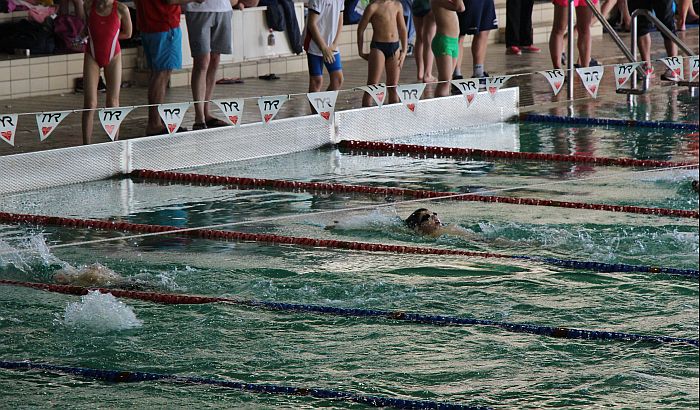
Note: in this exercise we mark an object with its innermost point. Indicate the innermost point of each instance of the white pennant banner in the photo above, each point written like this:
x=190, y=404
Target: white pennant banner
x=694, y=68
x=172, y=115
x=232, y=109
x=8, y=126
x=468, y=87
x=623, y=72
x=48, y=121
x=377, y=91
x=493, y=84
x=111, y=119
x=410, y=94
x=675, y=64
x=555, y=78
x=269, y=106
x=591, y=77
x=323, y=103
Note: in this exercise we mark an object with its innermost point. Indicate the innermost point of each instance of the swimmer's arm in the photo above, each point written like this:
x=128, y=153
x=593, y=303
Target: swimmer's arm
x=125, y=29
x=403, y=34
x=361, y=27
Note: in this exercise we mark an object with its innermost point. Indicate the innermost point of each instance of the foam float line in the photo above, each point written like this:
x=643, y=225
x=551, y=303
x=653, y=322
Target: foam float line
x=453, y=152
x=413, y=317
x=122, y=376
x=326, y=243
x=412, y=193
x=608, y=122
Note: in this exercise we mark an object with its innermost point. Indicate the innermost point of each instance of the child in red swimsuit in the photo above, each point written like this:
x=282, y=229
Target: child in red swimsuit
x=107, y=22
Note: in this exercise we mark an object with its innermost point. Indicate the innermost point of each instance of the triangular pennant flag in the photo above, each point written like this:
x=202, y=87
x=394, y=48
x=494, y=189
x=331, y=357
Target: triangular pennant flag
x=591, y=77
x=555, y=78
x=48, y=121
x=323, y=102
x=675, y=64
x=377, y=91
x=493, y=84
x=468, y=87
x=111, y=119
x=410, y=94
x=8, y=126
x=269, y=106
x=694, y=68
x=172, y=115
x=232, y=109
x=623, y=72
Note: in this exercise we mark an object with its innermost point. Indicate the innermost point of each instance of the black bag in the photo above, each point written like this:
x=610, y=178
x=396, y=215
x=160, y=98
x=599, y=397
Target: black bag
x=25, y=34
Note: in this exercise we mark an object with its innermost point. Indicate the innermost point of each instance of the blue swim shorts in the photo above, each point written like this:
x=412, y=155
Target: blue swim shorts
x=316, y=64
x=163, y=50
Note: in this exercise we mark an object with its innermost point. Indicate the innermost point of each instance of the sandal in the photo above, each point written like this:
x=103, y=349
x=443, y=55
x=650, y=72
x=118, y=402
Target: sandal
x=215, y=122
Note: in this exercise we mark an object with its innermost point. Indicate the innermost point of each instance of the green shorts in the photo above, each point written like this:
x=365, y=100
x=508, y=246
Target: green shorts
x=443, y=45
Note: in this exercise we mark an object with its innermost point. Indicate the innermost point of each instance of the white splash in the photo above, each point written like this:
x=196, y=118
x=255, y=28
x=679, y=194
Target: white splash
x=100, y=312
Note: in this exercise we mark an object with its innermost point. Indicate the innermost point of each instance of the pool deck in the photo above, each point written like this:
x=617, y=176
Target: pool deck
x=534, y=91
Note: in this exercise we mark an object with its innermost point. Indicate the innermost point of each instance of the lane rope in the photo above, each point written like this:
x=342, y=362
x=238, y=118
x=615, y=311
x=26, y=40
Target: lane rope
x=334, y=187
x=607, y=122
x=126, y=376
x=328, y=243
x=452, y=152
x=413, y=317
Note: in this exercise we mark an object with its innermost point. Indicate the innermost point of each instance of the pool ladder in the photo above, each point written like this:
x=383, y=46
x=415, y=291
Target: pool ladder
x=631, y=54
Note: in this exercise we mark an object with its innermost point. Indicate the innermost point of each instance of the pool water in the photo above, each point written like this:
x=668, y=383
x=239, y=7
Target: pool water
x=469, y=365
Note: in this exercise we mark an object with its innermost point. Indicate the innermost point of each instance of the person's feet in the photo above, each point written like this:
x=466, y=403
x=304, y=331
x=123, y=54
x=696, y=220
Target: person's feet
x=429, y=79
x=513, y=50
x=530, y=49
x=669, y=75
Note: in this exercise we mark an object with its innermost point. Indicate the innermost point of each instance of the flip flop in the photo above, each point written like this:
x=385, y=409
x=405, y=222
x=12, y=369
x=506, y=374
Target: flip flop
x=215, y=122
x=269, y=77
x=227, y=80
x=164, y=131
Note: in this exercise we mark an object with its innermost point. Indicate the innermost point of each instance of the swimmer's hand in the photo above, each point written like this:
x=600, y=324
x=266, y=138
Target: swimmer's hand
x=365, y=56
x=329, y=54
x=402, y=58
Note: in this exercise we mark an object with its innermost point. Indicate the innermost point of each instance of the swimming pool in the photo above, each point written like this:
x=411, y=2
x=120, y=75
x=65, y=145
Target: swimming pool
x=476, y=365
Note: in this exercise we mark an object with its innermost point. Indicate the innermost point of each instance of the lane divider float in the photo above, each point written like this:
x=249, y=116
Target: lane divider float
x=412, y=193
x=607, y=122
x=125, y=376
x=413, y=317
x=452, y=152
x=223, y=235
x=328, y=243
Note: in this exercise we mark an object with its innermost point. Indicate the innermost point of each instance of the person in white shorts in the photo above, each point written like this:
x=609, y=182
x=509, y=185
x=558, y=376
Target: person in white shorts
x=209, y=30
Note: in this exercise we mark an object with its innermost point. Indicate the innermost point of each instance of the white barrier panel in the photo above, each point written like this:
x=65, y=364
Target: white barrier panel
x=430, y=116
x=44, y=169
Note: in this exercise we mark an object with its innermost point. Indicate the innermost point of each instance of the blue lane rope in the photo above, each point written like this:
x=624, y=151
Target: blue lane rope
x=119, y=376
x=551, y=331
x=610, y=267
x=608, y=122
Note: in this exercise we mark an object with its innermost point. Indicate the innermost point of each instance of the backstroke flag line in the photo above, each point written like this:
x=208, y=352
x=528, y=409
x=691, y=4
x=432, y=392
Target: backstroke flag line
x=323, y=102
x=111, y=119
x=48, y=121
x=172, y=115
x=232, y=109
x=555, y=78
x=377, y=91
x=8, y=128
x=410, y=94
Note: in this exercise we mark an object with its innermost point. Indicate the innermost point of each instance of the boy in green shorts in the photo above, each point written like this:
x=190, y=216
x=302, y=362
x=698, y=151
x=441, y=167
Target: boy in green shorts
x=445, y=45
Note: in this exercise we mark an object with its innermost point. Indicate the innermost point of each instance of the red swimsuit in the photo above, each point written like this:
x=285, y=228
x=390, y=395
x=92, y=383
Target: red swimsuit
x=104, y=35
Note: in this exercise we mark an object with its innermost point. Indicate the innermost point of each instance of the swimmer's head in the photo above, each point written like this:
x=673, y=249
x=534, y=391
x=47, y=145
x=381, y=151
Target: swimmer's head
x=61, y=278
x=423, y=221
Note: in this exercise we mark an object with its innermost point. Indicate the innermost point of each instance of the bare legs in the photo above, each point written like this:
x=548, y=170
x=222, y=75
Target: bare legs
x=377, y=64
x=91, y=75
x=425, y=31
x=203, y=82
x=157, y=87
x=445, y=65
x=559, y=27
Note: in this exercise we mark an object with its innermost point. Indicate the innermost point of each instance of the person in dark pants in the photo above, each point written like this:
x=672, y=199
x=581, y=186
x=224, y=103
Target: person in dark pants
x=519, y=27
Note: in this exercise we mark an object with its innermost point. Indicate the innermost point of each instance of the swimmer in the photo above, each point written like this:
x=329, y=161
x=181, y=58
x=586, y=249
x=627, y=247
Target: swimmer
x=426, y=223
x=94, y=275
